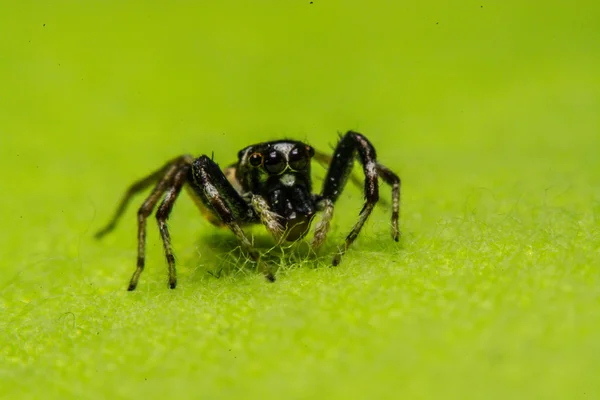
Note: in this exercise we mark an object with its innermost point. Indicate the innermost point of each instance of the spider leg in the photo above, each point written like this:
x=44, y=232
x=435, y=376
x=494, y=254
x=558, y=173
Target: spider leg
x=217, y=193
x=181, y=164
x=322, y=227
x=324, y=161
x=354, y=144
x=162, y=214
x=137, y=187
x=267, y=217
x=393, y=180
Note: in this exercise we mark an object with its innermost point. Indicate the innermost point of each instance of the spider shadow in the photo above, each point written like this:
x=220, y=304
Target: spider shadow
x=219, y=255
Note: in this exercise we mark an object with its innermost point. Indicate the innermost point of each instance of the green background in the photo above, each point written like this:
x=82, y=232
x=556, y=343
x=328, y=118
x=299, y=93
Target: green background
x=488, y=110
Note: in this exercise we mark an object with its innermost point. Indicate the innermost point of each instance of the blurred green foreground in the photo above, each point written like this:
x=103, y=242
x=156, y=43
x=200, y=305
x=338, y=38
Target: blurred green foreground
x=488, y=110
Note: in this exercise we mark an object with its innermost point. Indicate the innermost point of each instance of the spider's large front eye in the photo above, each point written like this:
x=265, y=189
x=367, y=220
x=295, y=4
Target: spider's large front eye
x=255, y=159
x=299, y=158
x=274, y=163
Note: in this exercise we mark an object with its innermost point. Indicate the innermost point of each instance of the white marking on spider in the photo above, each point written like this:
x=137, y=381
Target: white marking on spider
x=371, y=168
x=288, y=180
x=211, y=191
x=284, y=148
x=244, y=159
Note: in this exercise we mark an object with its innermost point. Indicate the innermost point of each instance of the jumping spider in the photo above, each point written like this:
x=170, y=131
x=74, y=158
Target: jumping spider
x=269, y=184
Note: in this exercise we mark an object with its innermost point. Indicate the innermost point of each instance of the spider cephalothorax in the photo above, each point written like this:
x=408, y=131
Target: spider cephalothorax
x=269, y=184
x=279, y=172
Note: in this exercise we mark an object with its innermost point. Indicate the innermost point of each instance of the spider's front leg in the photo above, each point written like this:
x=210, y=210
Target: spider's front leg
x=170, y=178
x=267, y=217
x=349, y=146
x=216, y=192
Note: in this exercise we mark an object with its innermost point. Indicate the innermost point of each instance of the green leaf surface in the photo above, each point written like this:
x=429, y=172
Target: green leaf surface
x=489, y=111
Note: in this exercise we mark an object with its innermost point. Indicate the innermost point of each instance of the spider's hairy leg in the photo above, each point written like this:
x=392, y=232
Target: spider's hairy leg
x=162, y=214
x=388, y=177
x=137, y=187
x=393, y=180
x=267, y=217
x=324, y=161
x=146, y=209
x=217, y=193
x=350, y=145
x=322, y=227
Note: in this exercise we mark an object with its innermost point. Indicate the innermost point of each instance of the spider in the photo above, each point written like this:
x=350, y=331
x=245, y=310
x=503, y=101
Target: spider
x=269, y=184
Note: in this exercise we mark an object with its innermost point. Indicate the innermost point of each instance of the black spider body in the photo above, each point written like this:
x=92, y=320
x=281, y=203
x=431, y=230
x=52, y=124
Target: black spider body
x=269, y=184
x=283, y=179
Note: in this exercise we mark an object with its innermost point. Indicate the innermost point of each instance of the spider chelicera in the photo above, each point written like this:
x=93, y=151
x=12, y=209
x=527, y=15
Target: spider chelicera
x=269, y=184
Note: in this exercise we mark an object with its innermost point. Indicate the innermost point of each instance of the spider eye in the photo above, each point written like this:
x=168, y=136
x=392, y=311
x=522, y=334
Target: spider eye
x=274, y=163
x=255, y=159
x=299, y=158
